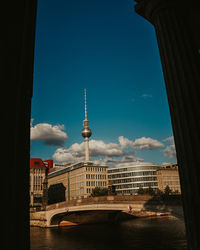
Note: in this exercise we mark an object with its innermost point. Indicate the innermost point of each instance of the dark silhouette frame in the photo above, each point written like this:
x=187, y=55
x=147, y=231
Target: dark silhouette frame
x=177, y=24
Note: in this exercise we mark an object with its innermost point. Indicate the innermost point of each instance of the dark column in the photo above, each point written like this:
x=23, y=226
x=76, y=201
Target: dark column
x=16, y=90
x=177, y=29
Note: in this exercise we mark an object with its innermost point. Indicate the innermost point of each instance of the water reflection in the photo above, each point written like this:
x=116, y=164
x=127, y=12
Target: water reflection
x=147, y=233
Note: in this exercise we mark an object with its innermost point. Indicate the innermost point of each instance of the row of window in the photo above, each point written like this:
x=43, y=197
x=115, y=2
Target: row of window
x=95, y=169
x=37, y=187
x=96, y=176
x=37, y=182
x=131, y=169
x=170, y=177
x=171, y=183
x=130, y=191
x=133, y=185
x=154, y=178
x=96, y=183
x=37, y=170
x=131, y=174
x=89, y=190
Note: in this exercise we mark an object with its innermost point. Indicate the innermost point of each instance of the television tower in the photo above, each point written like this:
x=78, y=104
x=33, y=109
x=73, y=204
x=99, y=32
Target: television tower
x=86, y=133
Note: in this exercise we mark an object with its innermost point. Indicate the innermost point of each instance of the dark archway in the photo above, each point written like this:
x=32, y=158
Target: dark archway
x=89, y=217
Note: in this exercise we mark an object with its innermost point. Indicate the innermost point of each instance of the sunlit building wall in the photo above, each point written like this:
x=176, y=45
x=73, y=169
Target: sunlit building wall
x=168, y=175
x=38, y=174
x=79, y=179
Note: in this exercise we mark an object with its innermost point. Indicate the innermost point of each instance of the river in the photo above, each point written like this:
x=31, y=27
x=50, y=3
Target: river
x=158, y=233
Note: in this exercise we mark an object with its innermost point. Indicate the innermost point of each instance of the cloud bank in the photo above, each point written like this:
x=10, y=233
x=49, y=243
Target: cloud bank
x=49, y=134
x=110, y=153
x=107, y=153
x=97, y=148
x=142, y=143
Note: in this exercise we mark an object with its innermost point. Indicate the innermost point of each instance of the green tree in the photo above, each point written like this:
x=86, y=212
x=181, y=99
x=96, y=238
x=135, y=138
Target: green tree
x=141, y=191
x=159, y=192
x=97, y=191
x=150, y=191
x=167, y=190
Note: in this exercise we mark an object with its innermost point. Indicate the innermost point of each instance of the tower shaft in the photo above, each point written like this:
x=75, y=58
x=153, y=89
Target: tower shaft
x=87, y=153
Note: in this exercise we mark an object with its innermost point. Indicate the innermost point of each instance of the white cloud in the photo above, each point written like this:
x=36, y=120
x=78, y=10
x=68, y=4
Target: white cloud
x=170, y=150
x=97, y=148
x=170, y=139
x=110, y=153
x=124, y=142
x=142, y=143
x=146, y=96
x=49, y=134
x=65, y=155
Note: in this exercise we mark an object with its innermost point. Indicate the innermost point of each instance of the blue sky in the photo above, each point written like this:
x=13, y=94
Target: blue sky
x=105, y=47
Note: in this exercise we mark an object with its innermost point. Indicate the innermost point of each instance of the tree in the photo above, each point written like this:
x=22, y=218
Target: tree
x=141, y=191
x=167, y=190
x=150, y=191
x=97, y=191
x=56, y=193
x=159, y=192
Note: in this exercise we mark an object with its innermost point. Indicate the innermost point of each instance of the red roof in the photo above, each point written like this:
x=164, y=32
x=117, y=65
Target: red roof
x=36, y=163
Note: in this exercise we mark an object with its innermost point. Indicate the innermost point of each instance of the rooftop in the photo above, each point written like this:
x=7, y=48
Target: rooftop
x=72, y=167
x=134, y=164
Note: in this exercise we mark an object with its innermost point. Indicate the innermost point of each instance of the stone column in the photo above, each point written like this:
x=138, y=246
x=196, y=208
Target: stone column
x=181, y=67
x=18, y=34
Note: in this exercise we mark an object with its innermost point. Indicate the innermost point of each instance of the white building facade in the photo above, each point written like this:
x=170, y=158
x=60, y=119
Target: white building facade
x=127, y=178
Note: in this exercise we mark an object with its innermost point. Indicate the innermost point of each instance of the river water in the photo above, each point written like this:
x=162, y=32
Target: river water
x=159, y=233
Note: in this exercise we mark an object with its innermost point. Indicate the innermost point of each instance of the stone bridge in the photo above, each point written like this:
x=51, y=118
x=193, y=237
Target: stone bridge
x=96, y=209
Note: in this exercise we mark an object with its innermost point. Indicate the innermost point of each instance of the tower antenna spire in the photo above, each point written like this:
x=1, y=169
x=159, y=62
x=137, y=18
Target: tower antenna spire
x=86, y=132
x=85, y=105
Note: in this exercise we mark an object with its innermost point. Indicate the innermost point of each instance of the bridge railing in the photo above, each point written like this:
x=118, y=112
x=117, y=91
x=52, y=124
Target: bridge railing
x=101, y=199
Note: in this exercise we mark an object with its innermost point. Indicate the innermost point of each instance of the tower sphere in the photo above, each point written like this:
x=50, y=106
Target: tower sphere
x=86, y=132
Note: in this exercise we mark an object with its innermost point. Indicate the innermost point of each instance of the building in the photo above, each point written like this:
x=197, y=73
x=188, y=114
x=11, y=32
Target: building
x=127, y=178
x=38, y=174
x=168, y=175
x=79, y=179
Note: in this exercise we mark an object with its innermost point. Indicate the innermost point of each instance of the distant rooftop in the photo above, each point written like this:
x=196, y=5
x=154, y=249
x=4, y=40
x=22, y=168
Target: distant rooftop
x=169, y=166
x=70, y=167
x=36, y=163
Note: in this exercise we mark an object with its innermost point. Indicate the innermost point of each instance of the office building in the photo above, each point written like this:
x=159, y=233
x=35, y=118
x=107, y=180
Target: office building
x=127, y=178
x=38, y=174
x=79, y=179
x=168, y=175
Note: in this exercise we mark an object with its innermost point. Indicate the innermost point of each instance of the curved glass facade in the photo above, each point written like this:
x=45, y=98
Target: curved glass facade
x=129, y=177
